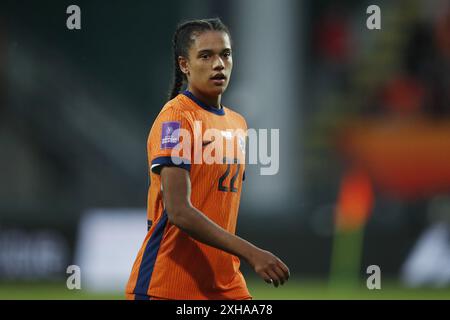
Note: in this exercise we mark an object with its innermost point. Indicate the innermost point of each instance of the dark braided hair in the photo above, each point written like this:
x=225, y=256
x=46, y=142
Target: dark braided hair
x=183, y=39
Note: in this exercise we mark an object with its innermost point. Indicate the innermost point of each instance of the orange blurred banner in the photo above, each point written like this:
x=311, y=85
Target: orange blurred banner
x=406, y=158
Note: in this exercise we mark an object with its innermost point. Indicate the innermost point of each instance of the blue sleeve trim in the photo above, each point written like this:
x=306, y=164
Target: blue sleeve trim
x=160, y=162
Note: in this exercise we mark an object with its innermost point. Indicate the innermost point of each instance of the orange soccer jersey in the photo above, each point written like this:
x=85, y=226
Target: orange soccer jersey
x=210, y=144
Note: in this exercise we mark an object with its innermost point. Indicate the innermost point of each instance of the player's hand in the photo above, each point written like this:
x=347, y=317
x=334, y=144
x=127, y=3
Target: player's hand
x=269, y=267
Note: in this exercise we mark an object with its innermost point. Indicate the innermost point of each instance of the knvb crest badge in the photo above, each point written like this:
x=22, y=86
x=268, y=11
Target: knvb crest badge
x=170, y=134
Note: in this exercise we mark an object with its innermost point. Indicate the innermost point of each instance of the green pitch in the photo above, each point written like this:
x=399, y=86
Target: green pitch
x=293, y=290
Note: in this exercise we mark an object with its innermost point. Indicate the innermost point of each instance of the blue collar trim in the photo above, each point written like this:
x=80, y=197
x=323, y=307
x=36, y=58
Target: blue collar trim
x=214, y=110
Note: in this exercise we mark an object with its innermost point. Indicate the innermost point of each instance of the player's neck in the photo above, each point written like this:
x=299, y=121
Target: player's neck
x=214, y=102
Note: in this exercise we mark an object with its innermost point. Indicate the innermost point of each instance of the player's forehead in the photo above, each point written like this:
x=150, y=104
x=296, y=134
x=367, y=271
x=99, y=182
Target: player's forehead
x=210, y=40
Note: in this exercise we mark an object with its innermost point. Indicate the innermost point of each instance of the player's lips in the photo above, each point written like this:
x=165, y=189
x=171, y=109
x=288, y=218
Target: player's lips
x=218, y=78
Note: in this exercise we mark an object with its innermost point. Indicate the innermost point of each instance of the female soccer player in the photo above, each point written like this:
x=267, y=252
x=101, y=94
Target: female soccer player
x=191, y=250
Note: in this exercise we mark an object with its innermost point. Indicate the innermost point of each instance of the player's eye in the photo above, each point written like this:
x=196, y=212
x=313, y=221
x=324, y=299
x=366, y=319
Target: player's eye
x=227, y=54
x=204, y=56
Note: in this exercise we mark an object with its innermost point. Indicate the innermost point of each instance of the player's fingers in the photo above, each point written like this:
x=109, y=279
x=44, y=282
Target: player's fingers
x=266, y=277
x=280, y=274
x=274, y=277
x=285, y=269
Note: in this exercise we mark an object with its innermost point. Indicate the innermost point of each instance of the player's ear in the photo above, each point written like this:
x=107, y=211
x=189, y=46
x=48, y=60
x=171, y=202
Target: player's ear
x=183, y=63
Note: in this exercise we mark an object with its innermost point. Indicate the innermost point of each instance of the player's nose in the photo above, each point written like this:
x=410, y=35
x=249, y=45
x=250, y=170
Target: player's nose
x=218, y=64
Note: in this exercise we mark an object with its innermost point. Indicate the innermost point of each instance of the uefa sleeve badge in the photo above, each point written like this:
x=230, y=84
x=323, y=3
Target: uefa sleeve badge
x=170, y=134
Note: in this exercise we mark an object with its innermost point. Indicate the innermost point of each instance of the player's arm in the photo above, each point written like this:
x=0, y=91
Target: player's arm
x=180, y=212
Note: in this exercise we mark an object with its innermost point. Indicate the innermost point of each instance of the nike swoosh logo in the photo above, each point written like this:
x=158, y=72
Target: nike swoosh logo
x=205, y=143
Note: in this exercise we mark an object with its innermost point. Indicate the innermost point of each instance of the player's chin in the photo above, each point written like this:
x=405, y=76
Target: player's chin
x=218, y=90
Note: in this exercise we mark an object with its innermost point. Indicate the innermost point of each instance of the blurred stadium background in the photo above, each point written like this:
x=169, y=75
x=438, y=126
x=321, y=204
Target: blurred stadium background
x=364, y=119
